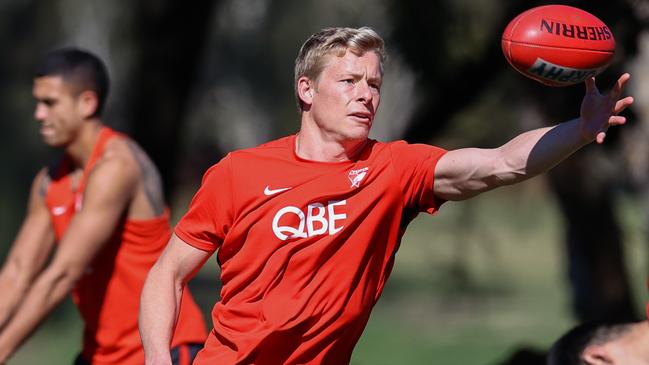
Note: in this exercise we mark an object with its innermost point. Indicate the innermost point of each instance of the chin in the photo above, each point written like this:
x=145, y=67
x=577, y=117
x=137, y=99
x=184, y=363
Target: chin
x=54, y=142
x=360, y=134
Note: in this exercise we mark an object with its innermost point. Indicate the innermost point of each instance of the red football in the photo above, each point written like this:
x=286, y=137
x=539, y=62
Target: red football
x=558, y=45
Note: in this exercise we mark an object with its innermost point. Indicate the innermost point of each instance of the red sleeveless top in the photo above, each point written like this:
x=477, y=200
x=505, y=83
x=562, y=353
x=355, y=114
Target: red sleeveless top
x=108, y=294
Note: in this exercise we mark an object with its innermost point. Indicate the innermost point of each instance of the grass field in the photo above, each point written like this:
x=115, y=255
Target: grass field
x=470, y=285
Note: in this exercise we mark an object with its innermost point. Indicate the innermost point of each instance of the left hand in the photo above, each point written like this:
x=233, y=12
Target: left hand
x=599, y=112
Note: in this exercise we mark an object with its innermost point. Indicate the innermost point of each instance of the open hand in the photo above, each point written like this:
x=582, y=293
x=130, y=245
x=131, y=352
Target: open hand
x=599, y=112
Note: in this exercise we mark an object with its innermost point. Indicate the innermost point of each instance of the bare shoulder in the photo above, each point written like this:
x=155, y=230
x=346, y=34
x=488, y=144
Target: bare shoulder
x=118, y=148
x=117, y=158
x=127, y=149
x=144, y=170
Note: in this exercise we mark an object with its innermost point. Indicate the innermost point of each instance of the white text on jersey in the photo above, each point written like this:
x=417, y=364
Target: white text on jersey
x=318, y=220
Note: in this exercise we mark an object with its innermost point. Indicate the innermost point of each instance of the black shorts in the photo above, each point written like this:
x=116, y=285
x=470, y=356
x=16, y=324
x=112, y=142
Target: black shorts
x=180, y=355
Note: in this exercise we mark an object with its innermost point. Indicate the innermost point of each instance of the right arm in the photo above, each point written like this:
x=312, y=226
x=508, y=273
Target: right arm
x=466, y=172
x=29, y=251
x=160, y=301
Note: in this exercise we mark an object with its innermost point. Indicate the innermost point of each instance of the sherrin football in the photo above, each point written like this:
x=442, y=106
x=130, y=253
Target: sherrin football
x=558, y=45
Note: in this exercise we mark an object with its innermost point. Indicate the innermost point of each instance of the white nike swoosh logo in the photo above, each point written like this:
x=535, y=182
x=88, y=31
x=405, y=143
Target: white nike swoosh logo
x=268, y=191
x=59, y=210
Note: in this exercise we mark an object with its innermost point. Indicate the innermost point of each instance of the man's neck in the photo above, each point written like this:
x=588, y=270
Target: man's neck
x=81, y=148
x=314, y=144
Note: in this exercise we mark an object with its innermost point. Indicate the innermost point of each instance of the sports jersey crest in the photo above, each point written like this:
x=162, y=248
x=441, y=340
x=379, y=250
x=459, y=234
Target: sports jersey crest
x=356, y=176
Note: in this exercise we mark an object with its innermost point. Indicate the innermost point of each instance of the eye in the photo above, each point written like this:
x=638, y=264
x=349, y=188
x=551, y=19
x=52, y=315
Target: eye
x=347, y=81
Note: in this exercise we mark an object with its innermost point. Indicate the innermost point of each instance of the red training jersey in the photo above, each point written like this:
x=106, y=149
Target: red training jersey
x=305, y=247
x=108, y=294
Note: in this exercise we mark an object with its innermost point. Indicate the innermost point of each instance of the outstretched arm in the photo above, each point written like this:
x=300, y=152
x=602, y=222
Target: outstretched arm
x=161, y=296
x=29, y=252
x=463, y=173
x=108, y=191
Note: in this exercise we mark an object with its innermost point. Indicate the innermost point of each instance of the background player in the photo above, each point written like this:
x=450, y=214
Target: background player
x=600, y=343
x=307, y=226
x=603, y=343
x=102, y=203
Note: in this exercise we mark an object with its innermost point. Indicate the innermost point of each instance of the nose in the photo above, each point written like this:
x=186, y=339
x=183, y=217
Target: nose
x=364, y=92
x=40, y=112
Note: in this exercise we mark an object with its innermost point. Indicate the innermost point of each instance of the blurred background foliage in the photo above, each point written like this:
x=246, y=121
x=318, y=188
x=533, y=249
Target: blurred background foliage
x=194, y=80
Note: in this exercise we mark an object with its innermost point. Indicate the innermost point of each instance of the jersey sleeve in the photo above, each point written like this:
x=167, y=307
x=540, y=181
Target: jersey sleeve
x=415, y=168
x=210, y=214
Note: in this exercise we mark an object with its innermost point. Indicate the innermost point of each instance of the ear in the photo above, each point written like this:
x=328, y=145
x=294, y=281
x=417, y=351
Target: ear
x=87, y=103
x=305, y=90
x=597, y=355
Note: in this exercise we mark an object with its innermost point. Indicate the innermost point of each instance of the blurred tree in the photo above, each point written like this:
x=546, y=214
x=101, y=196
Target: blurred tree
x=170, y=38
x=454, y=57
x=426, y=33
x=27, y=28
x=586, y=186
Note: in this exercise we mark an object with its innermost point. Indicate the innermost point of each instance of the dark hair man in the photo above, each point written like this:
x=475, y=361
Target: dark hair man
x=102, y=207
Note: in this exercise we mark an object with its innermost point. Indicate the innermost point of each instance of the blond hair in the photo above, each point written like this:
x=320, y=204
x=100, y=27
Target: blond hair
x=311, y=59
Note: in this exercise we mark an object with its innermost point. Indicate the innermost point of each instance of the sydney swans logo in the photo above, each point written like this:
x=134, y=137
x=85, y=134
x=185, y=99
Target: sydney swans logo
x=356, y=176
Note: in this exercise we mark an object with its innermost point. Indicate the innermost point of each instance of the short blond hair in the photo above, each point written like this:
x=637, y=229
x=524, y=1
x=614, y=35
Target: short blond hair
x=310, y=60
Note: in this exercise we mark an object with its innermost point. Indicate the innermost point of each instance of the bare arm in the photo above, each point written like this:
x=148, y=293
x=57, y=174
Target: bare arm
x=29, y=251
x=464, y=173
x=106, y=197
x=161, y=296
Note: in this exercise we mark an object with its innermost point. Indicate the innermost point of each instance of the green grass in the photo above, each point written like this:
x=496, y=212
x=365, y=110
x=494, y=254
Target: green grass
x=470, y=285
x=57, y=341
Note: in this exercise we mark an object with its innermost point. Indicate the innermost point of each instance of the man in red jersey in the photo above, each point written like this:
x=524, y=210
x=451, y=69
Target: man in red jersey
x=102, y=206
x=307, y=226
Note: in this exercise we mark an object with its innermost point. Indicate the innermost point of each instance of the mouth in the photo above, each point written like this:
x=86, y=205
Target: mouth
x=45, y=130
x=362, y=117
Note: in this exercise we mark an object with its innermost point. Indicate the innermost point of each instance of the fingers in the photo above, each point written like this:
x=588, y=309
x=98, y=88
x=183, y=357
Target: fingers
x=622, y=104
x=604, y=110
x=612, y=121
x=615, y=93
x=619, y=85
x=616, y=120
